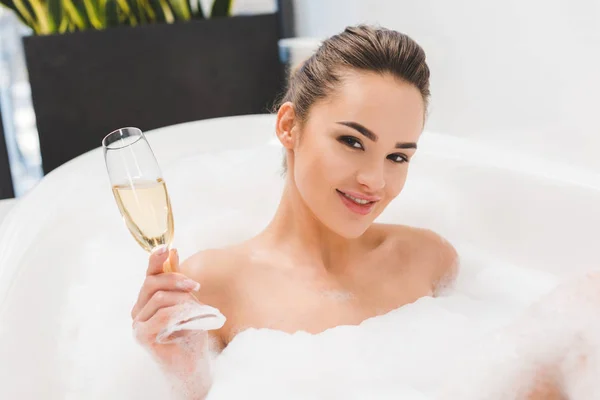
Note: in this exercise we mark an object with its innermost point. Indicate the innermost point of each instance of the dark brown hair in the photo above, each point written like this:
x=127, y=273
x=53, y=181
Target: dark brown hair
x=363, y=48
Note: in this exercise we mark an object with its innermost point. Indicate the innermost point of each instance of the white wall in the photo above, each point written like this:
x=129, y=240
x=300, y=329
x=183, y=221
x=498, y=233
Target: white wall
x=521, y=73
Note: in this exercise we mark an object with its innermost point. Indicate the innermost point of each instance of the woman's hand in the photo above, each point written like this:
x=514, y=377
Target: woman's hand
x=162, y=298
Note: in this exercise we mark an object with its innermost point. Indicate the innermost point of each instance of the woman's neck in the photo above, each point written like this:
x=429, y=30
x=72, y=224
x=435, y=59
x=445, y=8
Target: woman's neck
x=297, y=231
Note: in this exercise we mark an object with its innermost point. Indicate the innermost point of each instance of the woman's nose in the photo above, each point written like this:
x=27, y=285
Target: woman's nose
x=372, y=178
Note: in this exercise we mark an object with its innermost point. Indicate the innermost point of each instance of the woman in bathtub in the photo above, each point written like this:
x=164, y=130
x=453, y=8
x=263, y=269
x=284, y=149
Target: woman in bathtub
x=350, y=124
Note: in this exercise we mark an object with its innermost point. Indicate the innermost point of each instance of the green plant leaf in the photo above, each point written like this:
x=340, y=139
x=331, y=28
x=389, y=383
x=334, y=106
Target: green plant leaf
x=10, y=4
x=64, y=25
x=82, y=11
x=45, y=20
x=102, y=6
x=111, y=13
x=181, y=8
x=55, y=10
x=27, y=13
x=135, y=10
x=127, y=11
x=221, y=8
x=94, y=14
x=151, y=12
x=77, y=19
x=143, y=11
x=164, y=13
x=52, y=16
x=199, y=12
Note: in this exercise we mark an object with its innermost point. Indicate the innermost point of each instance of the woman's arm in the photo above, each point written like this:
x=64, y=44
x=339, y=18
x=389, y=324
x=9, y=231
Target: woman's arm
x=185, y=356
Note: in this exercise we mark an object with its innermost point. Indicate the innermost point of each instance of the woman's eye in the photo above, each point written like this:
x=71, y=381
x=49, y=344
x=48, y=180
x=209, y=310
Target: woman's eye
x=398, y=158
x=351, y=142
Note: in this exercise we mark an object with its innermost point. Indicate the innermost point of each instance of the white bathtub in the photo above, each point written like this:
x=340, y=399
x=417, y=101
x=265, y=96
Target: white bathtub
x=510, y=206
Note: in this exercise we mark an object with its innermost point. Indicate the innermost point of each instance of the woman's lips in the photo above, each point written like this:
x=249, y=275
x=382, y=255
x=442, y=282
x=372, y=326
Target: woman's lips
x=360, y=195
x=353, y=201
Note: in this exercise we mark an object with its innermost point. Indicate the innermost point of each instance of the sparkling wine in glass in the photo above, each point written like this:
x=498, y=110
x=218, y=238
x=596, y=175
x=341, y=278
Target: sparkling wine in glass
x=138, y=187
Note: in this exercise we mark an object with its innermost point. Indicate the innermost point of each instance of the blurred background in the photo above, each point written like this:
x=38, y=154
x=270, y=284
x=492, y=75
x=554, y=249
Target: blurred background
x=521, y=74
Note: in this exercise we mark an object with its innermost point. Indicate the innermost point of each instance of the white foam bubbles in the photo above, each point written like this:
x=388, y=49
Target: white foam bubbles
x=485, y=337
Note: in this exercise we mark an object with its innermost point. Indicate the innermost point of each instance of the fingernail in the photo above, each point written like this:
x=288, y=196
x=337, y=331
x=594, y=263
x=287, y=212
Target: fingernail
x=160, y=249
x=188, y=284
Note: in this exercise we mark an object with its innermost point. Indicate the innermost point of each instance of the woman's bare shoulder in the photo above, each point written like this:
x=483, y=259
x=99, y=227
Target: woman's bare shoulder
x=214, y=263
x=433, y=250
x=216, y=271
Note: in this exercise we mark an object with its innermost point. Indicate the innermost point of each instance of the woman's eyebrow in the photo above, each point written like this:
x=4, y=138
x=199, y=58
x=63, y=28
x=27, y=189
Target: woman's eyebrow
x=372, y=136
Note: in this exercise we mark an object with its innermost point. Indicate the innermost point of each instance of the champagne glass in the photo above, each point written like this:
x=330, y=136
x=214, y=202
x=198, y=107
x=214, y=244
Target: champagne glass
x=139, y=189
x=143, y=200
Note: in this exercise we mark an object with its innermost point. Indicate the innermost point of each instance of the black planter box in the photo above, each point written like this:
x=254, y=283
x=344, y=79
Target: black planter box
x=86, y=84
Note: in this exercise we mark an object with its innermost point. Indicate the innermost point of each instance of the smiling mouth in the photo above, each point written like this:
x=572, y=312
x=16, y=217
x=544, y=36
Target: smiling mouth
x=360, y=202
x=355, y=204
x=356, y=200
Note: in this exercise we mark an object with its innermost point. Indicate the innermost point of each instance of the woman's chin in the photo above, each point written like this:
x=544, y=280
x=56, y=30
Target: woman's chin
x=347, y=225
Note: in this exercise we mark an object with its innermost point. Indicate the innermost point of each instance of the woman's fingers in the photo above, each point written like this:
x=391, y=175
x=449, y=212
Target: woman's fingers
x=147, y=331
x=163, y=282
x=163, y=300
x=156, y=260
x=172, y=263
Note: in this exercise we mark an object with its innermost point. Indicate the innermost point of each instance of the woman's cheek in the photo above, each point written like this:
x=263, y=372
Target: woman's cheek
x=395, y=182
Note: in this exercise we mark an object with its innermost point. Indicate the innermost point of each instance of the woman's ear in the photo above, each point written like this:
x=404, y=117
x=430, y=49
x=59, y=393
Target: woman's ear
x=286, y=121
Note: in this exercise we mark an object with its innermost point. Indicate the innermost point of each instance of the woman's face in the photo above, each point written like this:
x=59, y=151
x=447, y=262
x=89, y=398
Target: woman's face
x=351, y=156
